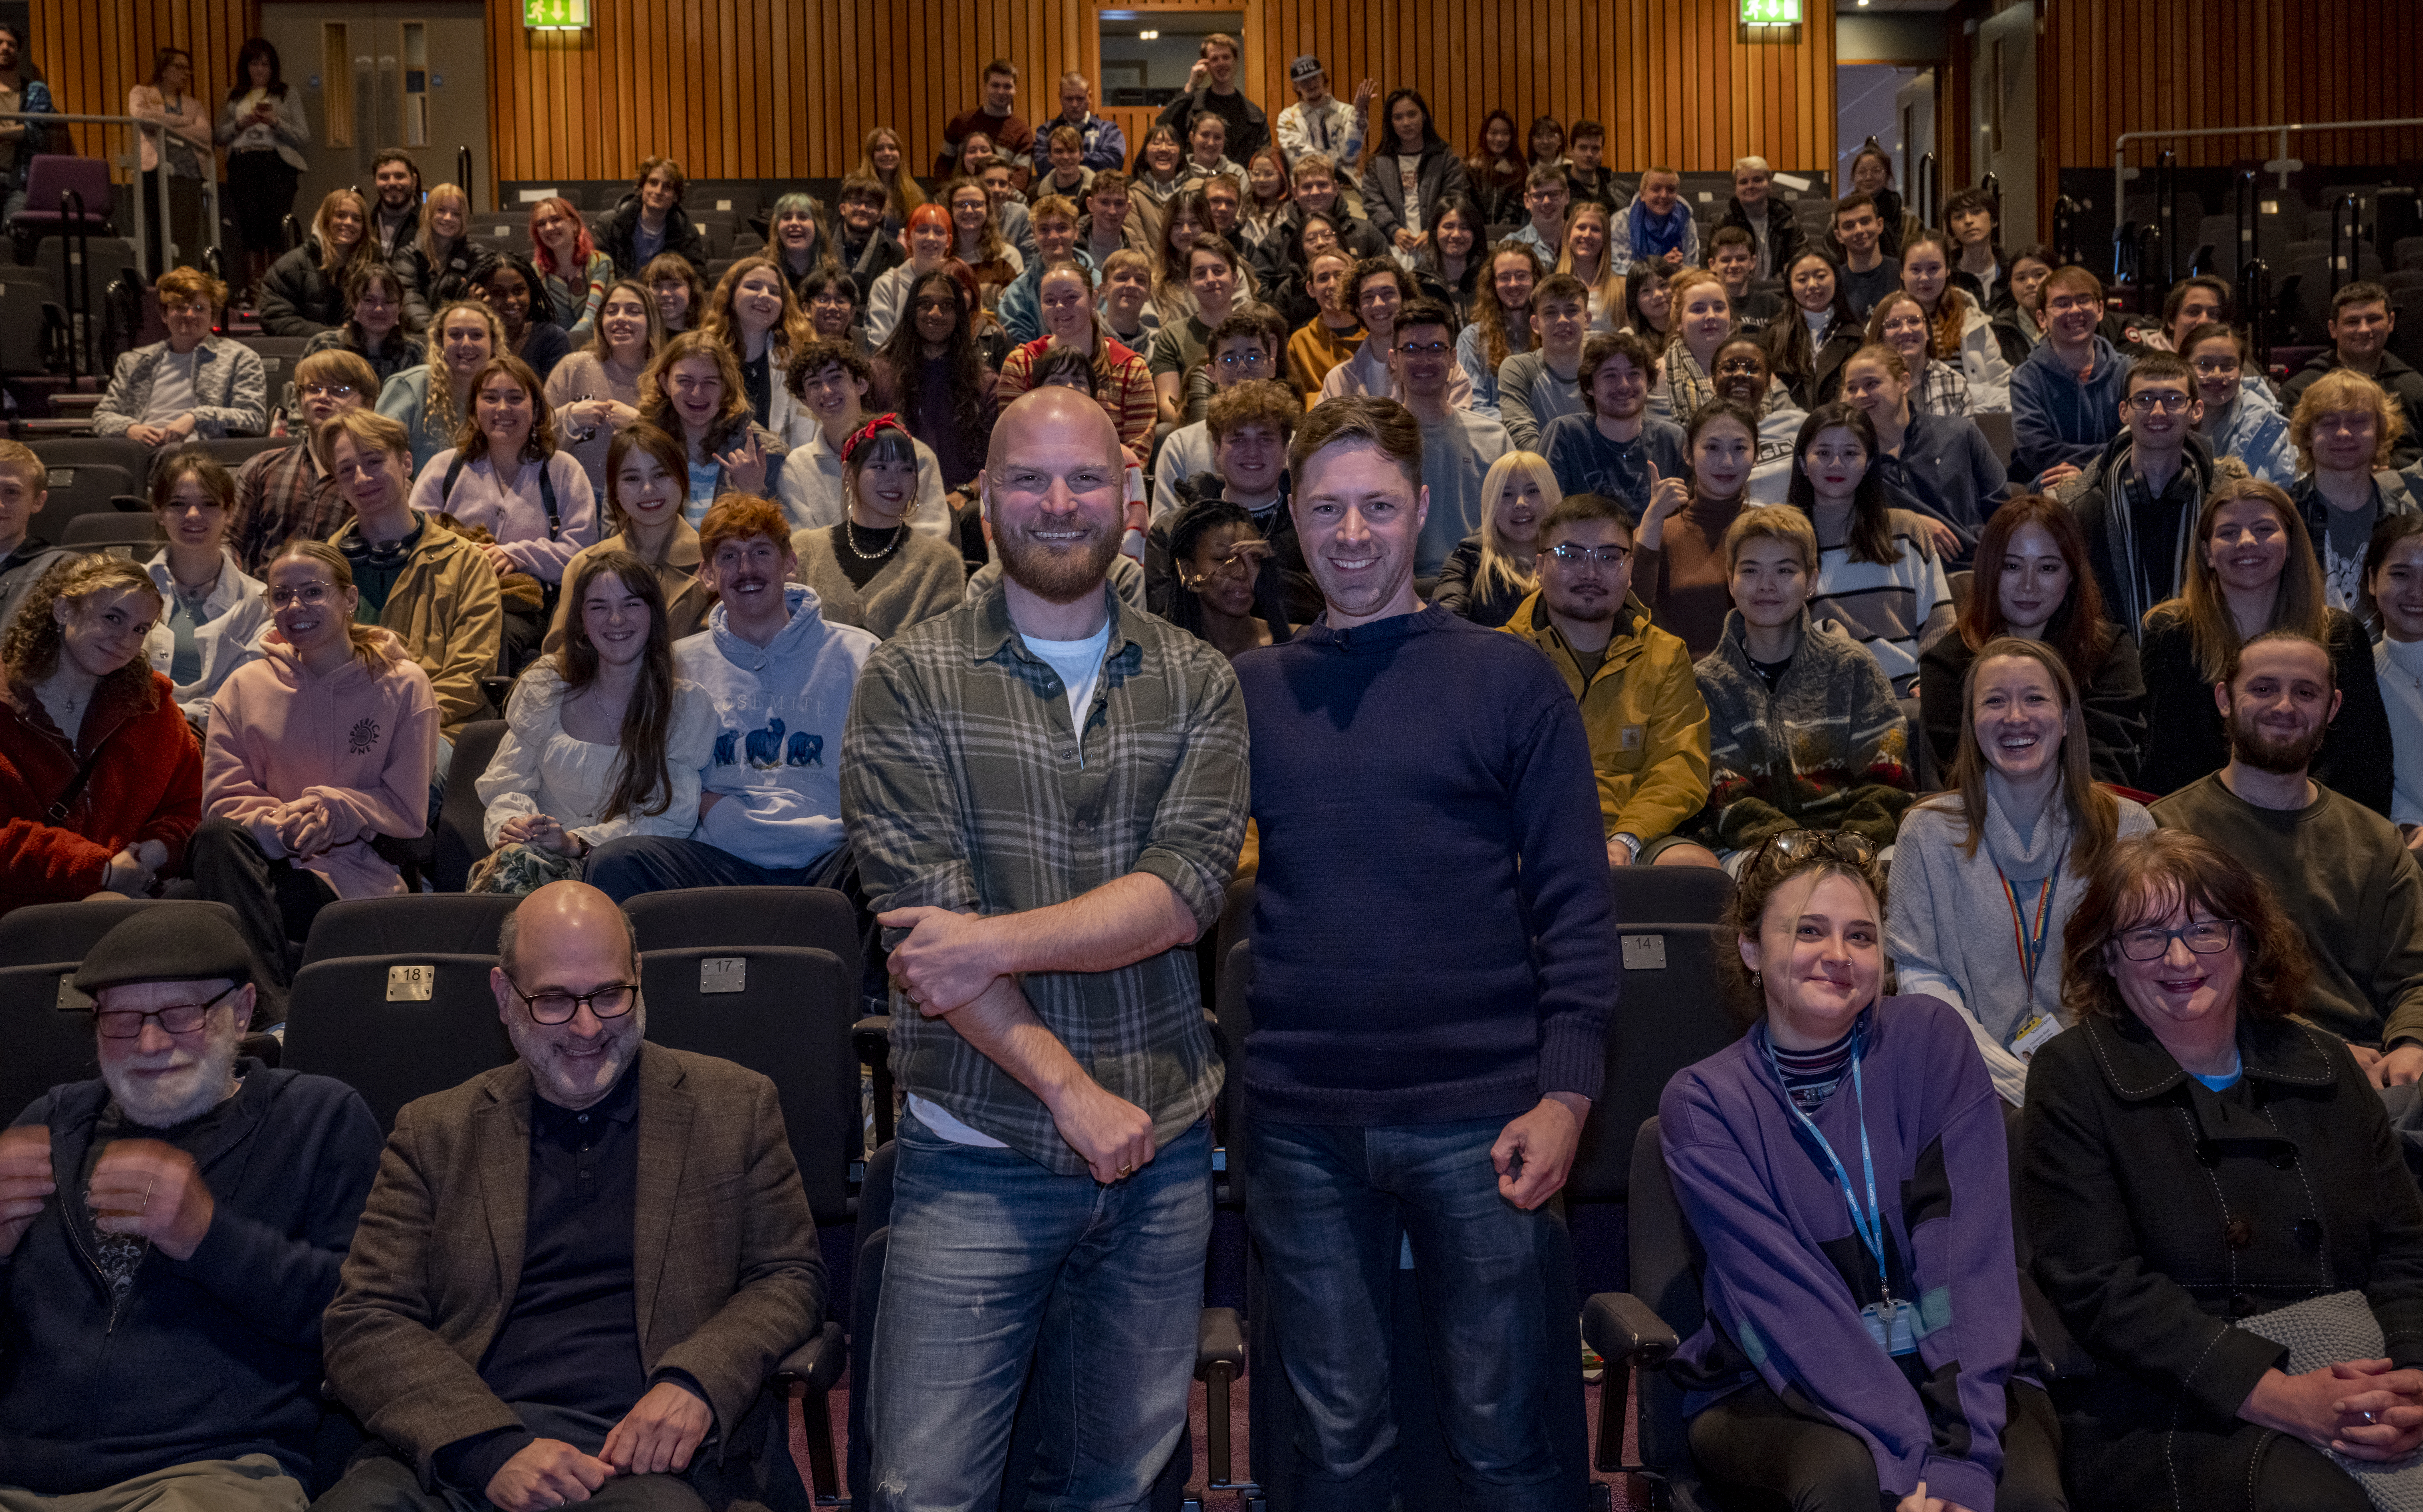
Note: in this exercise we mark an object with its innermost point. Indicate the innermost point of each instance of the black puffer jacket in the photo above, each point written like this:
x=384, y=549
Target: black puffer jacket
x=296, y=298
x=1784, y=239
x=613, y=230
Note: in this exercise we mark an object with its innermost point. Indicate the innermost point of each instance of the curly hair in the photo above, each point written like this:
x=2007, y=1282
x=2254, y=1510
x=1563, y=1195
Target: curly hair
x=2143, y=879
x=790, y=330
x=1769, y=869
x=1499, y=338
x=656, y=405
x=439, y=406
x=29, y=653
x=904, y=354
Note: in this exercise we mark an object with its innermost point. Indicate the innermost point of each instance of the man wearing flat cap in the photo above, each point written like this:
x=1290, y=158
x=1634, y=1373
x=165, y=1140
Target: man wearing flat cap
x=170, y=1236
x=577, y=1271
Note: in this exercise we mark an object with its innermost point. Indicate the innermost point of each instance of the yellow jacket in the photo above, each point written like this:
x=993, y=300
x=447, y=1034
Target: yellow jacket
x=445, y=609
x=1647, y=725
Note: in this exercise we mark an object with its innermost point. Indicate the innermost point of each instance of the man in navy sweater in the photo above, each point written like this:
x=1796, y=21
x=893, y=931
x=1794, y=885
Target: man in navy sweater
x=1432, y=971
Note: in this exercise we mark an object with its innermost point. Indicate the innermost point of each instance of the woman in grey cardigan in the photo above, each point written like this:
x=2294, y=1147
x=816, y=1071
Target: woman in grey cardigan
x=1986, y=876
x=875, y=569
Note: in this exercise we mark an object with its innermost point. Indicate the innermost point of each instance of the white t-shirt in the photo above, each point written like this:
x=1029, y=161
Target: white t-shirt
x=1409, y=175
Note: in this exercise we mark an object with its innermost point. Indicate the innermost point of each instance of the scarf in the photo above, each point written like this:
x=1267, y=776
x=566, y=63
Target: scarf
x=2030, y=856
x=1687, y=386
x=1655, y=236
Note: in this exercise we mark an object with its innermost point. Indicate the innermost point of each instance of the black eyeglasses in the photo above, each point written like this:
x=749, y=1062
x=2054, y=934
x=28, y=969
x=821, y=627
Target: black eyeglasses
x=2205, y=936
x=176, y=1018
x=1576, y=555
x=1793, y=845
x=611, y=1001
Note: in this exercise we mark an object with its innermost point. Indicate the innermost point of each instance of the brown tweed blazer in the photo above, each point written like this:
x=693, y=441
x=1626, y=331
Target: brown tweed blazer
x=729, y=1277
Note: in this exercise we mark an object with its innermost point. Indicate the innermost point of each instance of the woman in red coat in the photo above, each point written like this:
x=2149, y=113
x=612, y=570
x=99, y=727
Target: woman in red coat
x=77, y=700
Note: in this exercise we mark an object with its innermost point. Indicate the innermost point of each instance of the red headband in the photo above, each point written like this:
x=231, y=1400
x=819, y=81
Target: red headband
x=867, y=432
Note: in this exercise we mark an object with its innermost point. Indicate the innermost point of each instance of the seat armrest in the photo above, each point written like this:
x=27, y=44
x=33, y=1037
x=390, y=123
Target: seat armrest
x=2063, y=1357
x=814, y=1366
x=1219, y=1340
x=871, y=1036
x=1621, y=1326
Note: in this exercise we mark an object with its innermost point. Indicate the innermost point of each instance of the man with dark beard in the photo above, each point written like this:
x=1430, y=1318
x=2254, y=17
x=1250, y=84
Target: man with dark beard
x=2339, y=868
x=1045, y=789
x=169, y=1237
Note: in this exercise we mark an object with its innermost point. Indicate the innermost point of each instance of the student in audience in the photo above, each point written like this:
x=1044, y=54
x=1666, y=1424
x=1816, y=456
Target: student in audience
x=1487, y=919
x=1054, y=220
x=1540, y=383
x=1152, y=184
x=1938, y=466
x=929, y=235
x=1869, y=268
x=432, y=400
x=395, y=205
x=2183, y=975
x=1544, y=144
x=409, y=573
x=1702, y=319
x=1319, y=121
x=1214, y=285
x=2023, y=794
x=1226, y=594
x=1648, y=309
x=1449, y=267
x=1776, y=237
x=1681, y=566
x=830, y=298
x=880, y=158
x=1249, y=427
x=1382, y=290
x=77, y=696
x=1125, y=300
x=1104, y=146
x=929, y=374
x=1733, y=257
x=1818, y=1382
x=1212, y=87
x=1973, y=230
x=441, y=261
x=681, y=298
x=1641, y=706
x=24, y=487
x=2065, y=397
x=374, y=327
x=753, y=313
x=2347, y=431
x=1618, y=449
x=315, y=752
x=799, y=238
x=2249, y=570
x=2340, y=871
x=1808, y=345
x=2139, y=498
x=1457, y=446
x=1060, y=163
x=976, y=238
x=211, y=614
x=2241, y=418
x=544, y=1402
x=1877, y=578
x=646, y=485
x=1547, y=195
x=601, y=739
x=1743, y=375
x=1184, y=218
x=650, y=221
x=1804, y=728
x=1102, y=230
x=1938, y=388
x=996, y=119
x=889, y=563
x=829, y=382
x=1412, y=172
x=693, y=391
x=247, y=1180
x=1588, y=255
x=1207, y=153
x=1319, y=191
x=572, y=273
x=193, y=384
x=289, y=491
x=863, y=244
x=1497, y=170
x=261, y=124
x=2393, y=589
x=1243, y=349
x=304, y=292
x=2359, y=325
x=1957, y=330
x=1492, y=571
x=2017, y=311
x=511, y=287
x=1335, y=335
x=594, y=390
x=1500, y=323
x=1658, y=228
x=2033, y=583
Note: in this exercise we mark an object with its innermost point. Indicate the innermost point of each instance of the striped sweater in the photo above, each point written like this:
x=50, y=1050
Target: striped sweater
x=1895, y=608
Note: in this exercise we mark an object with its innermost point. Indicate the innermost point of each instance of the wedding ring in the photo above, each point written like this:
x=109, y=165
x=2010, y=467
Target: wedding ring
x=2368, y=1418
x=1126, y=1171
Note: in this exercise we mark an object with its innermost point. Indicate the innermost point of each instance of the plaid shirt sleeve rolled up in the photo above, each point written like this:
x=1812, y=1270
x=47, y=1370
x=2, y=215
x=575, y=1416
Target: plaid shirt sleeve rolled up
x=965, y=787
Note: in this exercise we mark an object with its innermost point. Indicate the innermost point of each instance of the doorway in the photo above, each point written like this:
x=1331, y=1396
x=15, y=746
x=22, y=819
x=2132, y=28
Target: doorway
x=385, y=74
x=1144, y=52
x=1867, y=108
x=2003, y=69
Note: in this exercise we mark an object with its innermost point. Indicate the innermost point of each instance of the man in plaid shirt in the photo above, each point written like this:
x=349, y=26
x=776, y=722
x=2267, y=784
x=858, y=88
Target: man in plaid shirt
x=1045, y=790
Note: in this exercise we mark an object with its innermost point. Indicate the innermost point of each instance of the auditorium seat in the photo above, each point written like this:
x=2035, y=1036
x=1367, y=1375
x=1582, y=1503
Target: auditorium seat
x=461, y=839
x=1672, y=1013
x=138, y=533
x=1669, y=894
x=807, y=917
x=40, y=932
x=40, y=1046
x=131, y=458
x=408, y=924
x=82, y=489
x=395, y=1027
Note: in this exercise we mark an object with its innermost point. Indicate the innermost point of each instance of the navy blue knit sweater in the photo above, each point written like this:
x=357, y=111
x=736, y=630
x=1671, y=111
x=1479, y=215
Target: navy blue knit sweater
x=1431, y=932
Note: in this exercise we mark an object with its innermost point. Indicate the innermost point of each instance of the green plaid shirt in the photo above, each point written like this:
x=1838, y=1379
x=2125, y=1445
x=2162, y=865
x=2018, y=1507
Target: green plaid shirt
x=964, y=787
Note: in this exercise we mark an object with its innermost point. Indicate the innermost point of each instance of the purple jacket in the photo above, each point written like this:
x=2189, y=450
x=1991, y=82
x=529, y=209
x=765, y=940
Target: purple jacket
x=1788, y=1274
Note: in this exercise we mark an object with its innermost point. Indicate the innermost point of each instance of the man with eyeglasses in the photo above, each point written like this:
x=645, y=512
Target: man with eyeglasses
x=1537, y=386
x=2339, y=870
x=291, y=491
x=2065, y=397
x=187, y=1379
x=1458, y=445
x=1249, y=424
x=2138, y=500
x=577, y=1271
x=863, y=244
x=1243, y=348
x=1547, y=195
x=193, y=384
x=1382, y=291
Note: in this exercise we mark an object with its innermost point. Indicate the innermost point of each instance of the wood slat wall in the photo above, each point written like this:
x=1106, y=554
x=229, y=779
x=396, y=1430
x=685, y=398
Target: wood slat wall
x=94, y=53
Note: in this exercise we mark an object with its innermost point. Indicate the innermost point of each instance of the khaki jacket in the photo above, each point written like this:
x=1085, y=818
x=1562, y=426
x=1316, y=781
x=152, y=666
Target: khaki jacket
x=1648, y=725
x=686, y=596
x=446, y=611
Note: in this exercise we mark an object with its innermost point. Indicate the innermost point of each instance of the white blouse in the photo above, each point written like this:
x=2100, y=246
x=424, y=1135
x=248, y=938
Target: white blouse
x=2400, y=668
x=539, y=768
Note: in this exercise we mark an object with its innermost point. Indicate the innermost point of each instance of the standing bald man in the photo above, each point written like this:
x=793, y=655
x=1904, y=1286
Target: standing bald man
x=1046, y=790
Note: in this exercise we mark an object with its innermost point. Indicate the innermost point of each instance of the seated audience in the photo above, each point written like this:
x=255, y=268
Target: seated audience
x=1972, y=231
x=2341, y=874
x=931, y=375
x=2018, y=312
x=1810, y=344
x=1265, y=221
x=828, y=382
x=1250, y=425
x=2359, y=325
x=1803, y=729
x=374, y=327
x=1616, y=449
x=1956, y=327
x=1500, y=323
x=247, y=1180
x=996, y=119
x=289, y=491
x=2031, y=583
x=1490, y=572
x=1243, y=349
x=1154, y=185
x=586, y=1387
x=429, y=587
x=799, y=239
x=1591, y=182
x=2066, y=398
x=1774, y=227
x=1102, y=230
x=2241, y=420
x=1070, y=321
x=211, y=614
x=681, y=298
x=1869, y=269
x=1412, y=173
x=1641, y=706
x=1817, y=1381
x=1732, y=256
x=1227, y=593
x=1542, y=382
x=511, y=287
x=601, y=740
x=880, y=158
x=1054, y=221
x=1646, y=309
x=1878, y=578
x=441, y=264
x=649, y=222
x=692, y=392
x=24, y=489
x=884, y=565
x=1126, y=299
x=102, y=780
x=647, y=485
x=194, y=384
x=862, y=245
x=2393, y=594
x=1214, y=286
x=831, y=303
x=1458, y=446
x=1659, y=229
x=1206, y=156
x=431, y=401
x=1682, y=568
x=1382, y=290
x=304, y=292
x=2196, y=1152
x=751, y=311
x=2138, y=498
x=317, y=751
x=1743, y=375
x=1935, y=465
x=1211, y=89
x=1899, y=322
x=1335, y=334
x=2250, y=571
x=977, y=239
x=779, y=677
x=1547, y=195
x=1319, y=121
x=1449, y=267
x=594, y=390
x=2347, y=431
x=2019, y=834
x=1589, y=254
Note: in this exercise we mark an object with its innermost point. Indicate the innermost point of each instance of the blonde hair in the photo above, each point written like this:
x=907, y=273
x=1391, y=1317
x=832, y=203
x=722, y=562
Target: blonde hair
x=439, y=406
x=901, y=190
x=2343, y=389
x=2298, y=599
x=1497, y=572
x=791, y=332
x=1773, y=523
x=338, y=269
x=366, y=639
x=1606, y=290
x=423, y=238
x=18, y=456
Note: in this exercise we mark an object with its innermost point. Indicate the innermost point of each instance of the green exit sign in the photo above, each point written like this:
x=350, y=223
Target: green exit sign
x=564, y=15
x=1770, y=13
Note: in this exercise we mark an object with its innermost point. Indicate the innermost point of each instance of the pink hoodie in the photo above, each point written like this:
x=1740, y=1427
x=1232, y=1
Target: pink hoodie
x=363, y=742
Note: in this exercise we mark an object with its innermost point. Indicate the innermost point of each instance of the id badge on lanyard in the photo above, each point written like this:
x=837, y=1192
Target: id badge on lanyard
x=1892, y=1322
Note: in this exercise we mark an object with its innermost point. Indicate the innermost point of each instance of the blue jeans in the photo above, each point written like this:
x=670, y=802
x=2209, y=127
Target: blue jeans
x=636, y=864
x=1328, y=1204
x=995, y=1262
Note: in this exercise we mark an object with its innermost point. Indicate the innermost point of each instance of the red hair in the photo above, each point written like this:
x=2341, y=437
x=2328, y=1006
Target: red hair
x=933, y=214
x=582, y=247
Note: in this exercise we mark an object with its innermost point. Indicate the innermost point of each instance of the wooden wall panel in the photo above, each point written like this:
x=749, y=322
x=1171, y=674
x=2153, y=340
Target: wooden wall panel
x=94, y=53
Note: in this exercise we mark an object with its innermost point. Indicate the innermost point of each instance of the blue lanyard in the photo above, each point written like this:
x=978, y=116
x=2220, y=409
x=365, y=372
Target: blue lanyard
x=1869, y=1225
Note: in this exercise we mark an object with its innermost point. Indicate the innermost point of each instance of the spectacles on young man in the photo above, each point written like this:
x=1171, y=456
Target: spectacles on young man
x=1574, y=555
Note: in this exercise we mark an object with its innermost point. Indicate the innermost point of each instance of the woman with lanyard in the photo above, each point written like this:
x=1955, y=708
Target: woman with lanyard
x=1989, y=872
x=1843, y=1167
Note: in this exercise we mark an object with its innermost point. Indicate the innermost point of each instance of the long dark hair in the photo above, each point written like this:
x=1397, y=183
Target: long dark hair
x=905, y=354
x=1185, y=532
x=640, y=783
x=1384, y=141
x=1872, y=537
x=1790, y=349
x=27, y=72
x=254, y=47
x=1483, y=170
x=2077, y=628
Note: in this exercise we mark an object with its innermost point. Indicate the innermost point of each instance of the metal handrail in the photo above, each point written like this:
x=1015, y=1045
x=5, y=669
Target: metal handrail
x=2344, y=263
x=142, y=219
x=2065, y=227
x=2242, y=203
x=2283, y=165
x=1991, y=185
x=2255, y=297
x=2149, y=297
x=2166, y=215
x=76, y=275
x=463, y=172
x=1926, y=190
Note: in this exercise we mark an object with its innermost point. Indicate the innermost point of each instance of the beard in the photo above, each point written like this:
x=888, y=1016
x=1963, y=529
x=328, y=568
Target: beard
x=569, y=1083
x=192, y=1089
x=2280, y=757
x=1057, y=575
